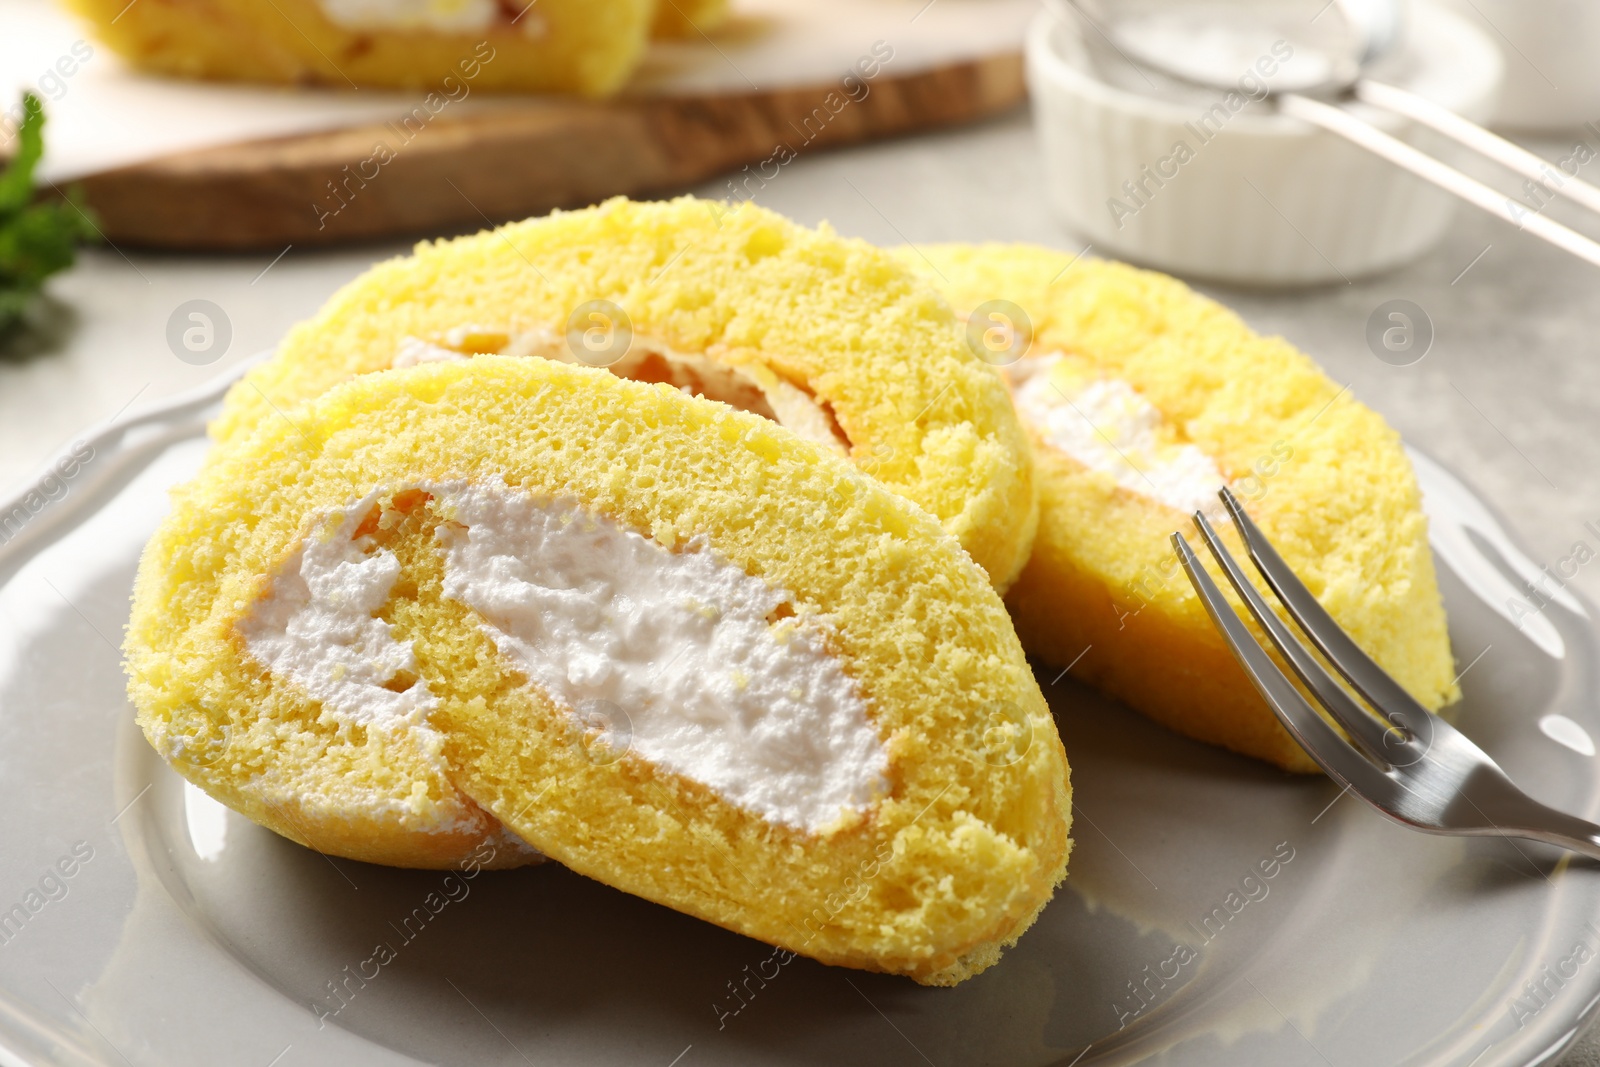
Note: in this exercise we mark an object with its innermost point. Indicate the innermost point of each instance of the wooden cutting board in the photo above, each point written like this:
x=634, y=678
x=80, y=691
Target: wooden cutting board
x=518, y=159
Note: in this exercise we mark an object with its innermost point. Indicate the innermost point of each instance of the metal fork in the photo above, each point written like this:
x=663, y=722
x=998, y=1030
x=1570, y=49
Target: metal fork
x=1401, y=758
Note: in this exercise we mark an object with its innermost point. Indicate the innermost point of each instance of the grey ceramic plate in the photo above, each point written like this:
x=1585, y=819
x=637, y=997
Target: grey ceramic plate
x=140, y=923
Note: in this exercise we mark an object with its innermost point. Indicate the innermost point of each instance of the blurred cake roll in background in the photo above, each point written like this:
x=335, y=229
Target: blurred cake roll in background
x=587, y=47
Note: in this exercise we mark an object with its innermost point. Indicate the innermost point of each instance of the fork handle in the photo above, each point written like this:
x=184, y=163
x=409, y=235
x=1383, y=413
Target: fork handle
x=1565, y=831
x=1443, y=120
x=1499, y=807
x=1352, y=128
x=1510, y=812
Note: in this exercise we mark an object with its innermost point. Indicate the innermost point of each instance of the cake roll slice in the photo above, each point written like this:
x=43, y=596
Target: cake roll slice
x=1144, y=398
x=455, y=47
x=668, y=643
x=830, y=337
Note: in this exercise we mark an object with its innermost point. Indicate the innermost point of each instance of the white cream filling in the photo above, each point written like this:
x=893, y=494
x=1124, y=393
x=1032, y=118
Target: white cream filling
x=668, y=654
x=443, y=16
x=315, y=626
x=756, y=390
x=1107, y=426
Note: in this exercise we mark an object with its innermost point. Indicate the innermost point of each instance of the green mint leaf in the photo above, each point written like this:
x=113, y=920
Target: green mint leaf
x=37, y=239
x=16, y=181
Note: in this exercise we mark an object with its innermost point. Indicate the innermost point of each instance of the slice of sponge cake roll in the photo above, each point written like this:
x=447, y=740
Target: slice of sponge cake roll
x=830, y=337
x=678, y=648
x=1143, y=398
x=589, y=47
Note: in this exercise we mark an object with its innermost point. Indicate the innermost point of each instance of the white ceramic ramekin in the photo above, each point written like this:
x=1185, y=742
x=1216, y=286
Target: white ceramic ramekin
x=1552, y=72
x=1248, y=197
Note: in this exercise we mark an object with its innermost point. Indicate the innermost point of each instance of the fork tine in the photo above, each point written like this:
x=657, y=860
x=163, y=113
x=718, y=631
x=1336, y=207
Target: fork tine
x=1343, y=763
x=1367, y=731
x=1369, y=679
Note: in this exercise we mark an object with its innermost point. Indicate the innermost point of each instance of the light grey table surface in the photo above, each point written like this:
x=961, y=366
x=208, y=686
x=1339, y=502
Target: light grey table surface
x=1509, y=394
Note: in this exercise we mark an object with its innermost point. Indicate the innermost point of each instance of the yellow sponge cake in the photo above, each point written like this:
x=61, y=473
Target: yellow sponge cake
x=1143, y=398
x=832, y=338
x=676, y=647
x=588, y=47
